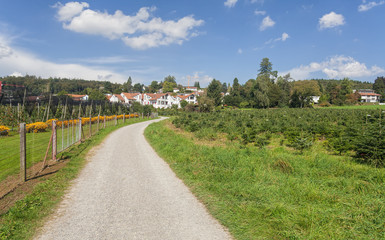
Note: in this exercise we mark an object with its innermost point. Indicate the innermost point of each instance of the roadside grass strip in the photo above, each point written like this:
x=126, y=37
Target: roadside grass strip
x=263, y=193
x=22, y=220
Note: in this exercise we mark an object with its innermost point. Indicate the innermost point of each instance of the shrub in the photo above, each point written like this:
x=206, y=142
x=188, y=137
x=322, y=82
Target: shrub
x=4, y=131
x=37, y=127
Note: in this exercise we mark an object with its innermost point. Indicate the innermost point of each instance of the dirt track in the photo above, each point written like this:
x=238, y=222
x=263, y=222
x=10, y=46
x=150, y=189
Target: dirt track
x=127, y=192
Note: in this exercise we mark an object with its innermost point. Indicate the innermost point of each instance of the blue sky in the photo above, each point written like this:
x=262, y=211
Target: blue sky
x=200, y=40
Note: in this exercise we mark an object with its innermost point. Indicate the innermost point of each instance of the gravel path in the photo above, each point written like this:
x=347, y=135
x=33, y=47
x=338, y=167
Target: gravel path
x=126, y=191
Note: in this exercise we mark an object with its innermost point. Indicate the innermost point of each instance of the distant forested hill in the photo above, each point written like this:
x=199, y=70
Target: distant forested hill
x=37, y=86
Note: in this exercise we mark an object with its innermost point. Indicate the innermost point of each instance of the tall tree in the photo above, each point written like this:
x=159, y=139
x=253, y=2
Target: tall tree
x=197, y=85
x=168, y=86
x=170, y=78
x=266, y=68
x=379, y=86
x=214, y=92
x=304, y=90
x=224, y=87
x=127, y=86
x=138, y=87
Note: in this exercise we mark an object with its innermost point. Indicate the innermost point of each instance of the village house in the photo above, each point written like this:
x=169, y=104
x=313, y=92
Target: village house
x=115, y=98
x=77, y=97
x=368, y=95
x=130, y=98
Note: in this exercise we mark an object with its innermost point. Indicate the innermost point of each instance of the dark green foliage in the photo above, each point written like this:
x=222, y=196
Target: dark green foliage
x=346, y=131
x=214, y=91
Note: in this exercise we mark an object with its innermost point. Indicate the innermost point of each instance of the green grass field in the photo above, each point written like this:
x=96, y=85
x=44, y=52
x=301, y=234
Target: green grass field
x=278, y=193
x=365, y=106
x=37, y=144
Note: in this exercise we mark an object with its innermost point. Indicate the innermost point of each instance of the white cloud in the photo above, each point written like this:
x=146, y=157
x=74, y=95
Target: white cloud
x=18, y=63
x=331, y=20
x=140, y=31
x=200, y=77
x=283, y=38
x=70, y=10
x=230, y=3
x=257, y=12
x=367, y=6
x=240, y=51
x=266, y=23
x=336, y=67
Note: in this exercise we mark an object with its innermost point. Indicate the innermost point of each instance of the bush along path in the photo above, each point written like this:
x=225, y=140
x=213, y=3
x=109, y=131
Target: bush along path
x=127, y=192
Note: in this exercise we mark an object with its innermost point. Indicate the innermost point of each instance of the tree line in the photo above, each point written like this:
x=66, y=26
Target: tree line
x=270, y=90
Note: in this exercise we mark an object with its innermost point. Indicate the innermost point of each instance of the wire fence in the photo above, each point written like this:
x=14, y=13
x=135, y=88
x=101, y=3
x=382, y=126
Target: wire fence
x=43, y=145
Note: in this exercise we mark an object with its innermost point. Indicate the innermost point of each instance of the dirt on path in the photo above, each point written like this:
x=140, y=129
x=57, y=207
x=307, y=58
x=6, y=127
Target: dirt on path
x=126, y=191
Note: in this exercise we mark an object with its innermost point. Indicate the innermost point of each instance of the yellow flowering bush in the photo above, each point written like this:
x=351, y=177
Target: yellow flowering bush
x=4, y=131
x=49, y=122
x=37, y=127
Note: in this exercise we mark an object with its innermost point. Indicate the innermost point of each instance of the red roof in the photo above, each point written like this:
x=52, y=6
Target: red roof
x=155, y=96
x=369, y=94
x=184, y=97
x=119, y=97
x=76, y=95
x=131, y=96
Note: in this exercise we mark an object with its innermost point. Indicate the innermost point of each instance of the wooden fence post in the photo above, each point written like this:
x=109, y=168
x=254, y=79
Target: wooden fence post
x=124, y=118
x=54, y=140
x=23, y=152
x=98, y=122
x=104, y=121
x=116, y=120
x=90, y=126
x=80, y=129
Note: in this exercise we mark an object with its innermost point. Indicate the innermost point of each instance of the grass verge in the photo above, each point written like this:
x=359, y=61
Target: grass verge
x=277, y=193
x=22, y=220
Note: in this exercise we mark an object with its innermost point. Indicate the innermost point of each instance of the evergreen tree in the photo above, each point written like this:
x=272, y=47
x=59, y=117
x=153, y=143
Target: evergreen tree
x=214, y=92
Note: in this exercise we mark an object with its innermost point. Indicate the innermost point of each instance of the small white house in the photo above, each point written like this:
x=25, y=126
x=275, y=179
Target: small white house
x=77, y=97
x=315, y=99
x=368, y=95
x=115, y=98
x=130, y=98
x=190, y=98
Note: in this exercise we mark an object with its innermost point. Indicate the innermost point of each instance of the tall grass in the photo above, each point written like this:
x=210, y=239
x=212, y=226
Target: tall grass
x=276, y=193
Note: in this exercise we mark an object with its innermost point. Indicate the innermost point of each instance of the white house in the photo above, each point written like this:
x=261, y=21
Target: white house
x=315, y=99
x=130, y=98
x=77, y=97
x=368, y=95
x=192, y=89
x=190, y=98
x=115, y=98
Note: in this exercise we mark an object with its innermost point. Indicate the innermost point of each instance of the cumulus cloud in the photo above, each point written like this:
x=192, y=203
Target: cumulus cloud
x=240, y=51
x=70, y=10
x=331, y=20
x=367, y=6
x=266, y=23
x=139, y=31
x=230, y=3
x=336, y=67
x=17, y=63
